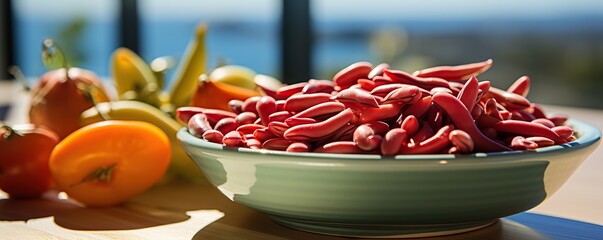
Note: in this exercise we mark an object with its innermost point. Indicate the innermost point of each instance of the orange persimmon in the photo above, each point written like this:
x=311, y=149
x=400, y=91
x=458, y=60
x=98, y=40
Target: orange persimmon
x=106, y=163
x=211, y=94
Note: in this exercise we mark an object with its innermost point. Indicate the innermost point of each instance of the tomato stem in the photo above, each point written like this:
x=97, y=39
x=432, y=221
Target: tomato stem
x=102, y=174
x=9, y=132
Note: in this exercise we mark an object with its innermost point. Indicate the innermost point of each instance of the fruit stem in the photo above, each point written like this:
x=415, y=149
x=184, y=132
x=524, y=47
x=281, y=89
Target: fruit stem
x=102, y=174
x=9, y=132
x=203, y=78
x=53, y=56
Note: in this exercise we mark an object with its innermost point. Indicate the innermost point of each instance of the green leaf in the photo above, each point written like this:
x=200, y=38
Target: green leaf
x=52, y=55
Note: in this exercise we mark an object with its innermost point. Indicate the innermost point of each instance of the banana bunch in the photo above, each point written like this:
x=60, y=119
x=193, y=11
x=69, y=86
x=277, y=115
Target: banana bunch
x=181, y=167
x=141, y=96
x=136, y=80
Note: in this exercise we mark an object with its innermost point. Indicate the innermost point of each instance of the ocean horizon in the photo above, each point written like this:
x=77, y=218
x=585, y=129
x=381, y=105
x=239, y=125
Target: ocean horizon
x=257, y=45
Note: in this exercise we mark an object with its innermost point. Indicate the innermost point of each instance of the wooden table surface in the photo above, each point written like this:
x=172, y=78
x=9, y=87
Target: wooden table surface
x=183, y=211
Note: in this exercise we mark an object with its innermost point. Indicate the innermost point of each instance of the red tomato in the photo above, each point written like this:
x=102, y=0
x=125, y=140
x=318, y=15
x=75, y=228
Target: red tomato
x=57, y=100
x=24, y=154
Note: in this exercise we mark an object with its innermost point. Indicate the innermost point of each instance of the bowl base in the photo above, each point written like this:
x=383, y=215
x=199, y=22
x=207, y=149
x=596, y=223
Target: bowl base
x=382, y=231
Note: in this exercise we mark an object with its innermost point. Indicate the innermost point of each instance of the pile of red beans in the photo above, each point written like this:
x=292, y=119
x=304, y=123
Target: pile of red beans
x=378, y=110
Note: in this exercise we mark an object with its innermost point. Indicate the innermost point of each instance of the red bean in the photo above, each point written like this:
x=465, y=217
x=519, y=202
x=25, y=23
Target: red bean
x=278, y=128
x=378, y=70
x=434, y=144
x=458, y=72
x=468, y=94
x=348, y=147
x=350, y=75
x=393, y=141
x=383, y=112
x=357, y=96
x=326, y=108
x=214, y=136
x=246, y=118
x=366, y=139
x=521, y=86
x=249, y=105
x=279, y=116
x=298, y=103
x=426, y=83
x=226, y=125
x=233, y=139
x=545, y=122
x=279, y=144
x=213, y=115
x=410, y=125
x=288, y=91
x=249, y=128
x=318, y=130
x=265, y=106
x=520, y=143
x=298, y=147
x=443, y=109
x=462, y=119
x=419, y=108
x=236, y=106
x=198, y=124
x=461, y=141
x=263, y=134
x=541, y=141
x=294, y=121
x=528, y=129
x=318, y=86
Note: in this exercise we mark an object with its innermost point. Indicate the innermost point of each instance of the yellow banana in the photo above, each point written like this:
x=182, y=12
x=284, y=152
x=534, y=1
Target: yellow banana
x=191, y=67
x=234, y=75
x=134, y=79
x=181, y=167
x=160, y=66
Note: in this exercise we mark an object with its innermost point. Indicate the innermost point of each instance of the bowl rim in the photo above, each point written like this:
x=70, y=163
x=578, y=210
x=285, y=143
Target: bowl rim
x=588, y=135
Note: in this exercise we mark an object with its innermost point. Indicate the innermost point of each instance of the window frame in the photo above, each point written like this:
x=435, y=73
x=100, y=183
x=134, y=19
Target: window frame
x=296, y=36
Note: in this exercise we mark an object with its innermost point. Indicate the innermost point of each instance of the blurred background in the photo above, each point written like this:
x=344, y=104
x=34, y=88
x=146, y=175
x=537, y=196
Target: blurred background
x=559, y=44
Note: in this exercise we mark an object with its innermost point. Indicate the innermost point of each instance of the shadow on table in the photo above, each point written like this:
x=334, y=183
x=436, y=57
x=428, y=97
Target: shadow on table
x=169, y=204
x=158, y=206
x=125, y=217
x=244, y=223
x=240, y=222
x=27, y=209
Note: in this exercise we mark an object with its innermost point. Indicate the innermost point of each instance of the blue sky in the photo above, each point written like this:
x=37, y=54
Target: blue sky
x=323, y=9
x=458, y=9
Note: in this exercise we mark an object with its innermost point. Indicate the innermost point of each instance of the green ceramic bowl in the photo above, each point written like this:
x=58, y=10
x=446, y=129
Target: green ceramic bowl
x=401, y=196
